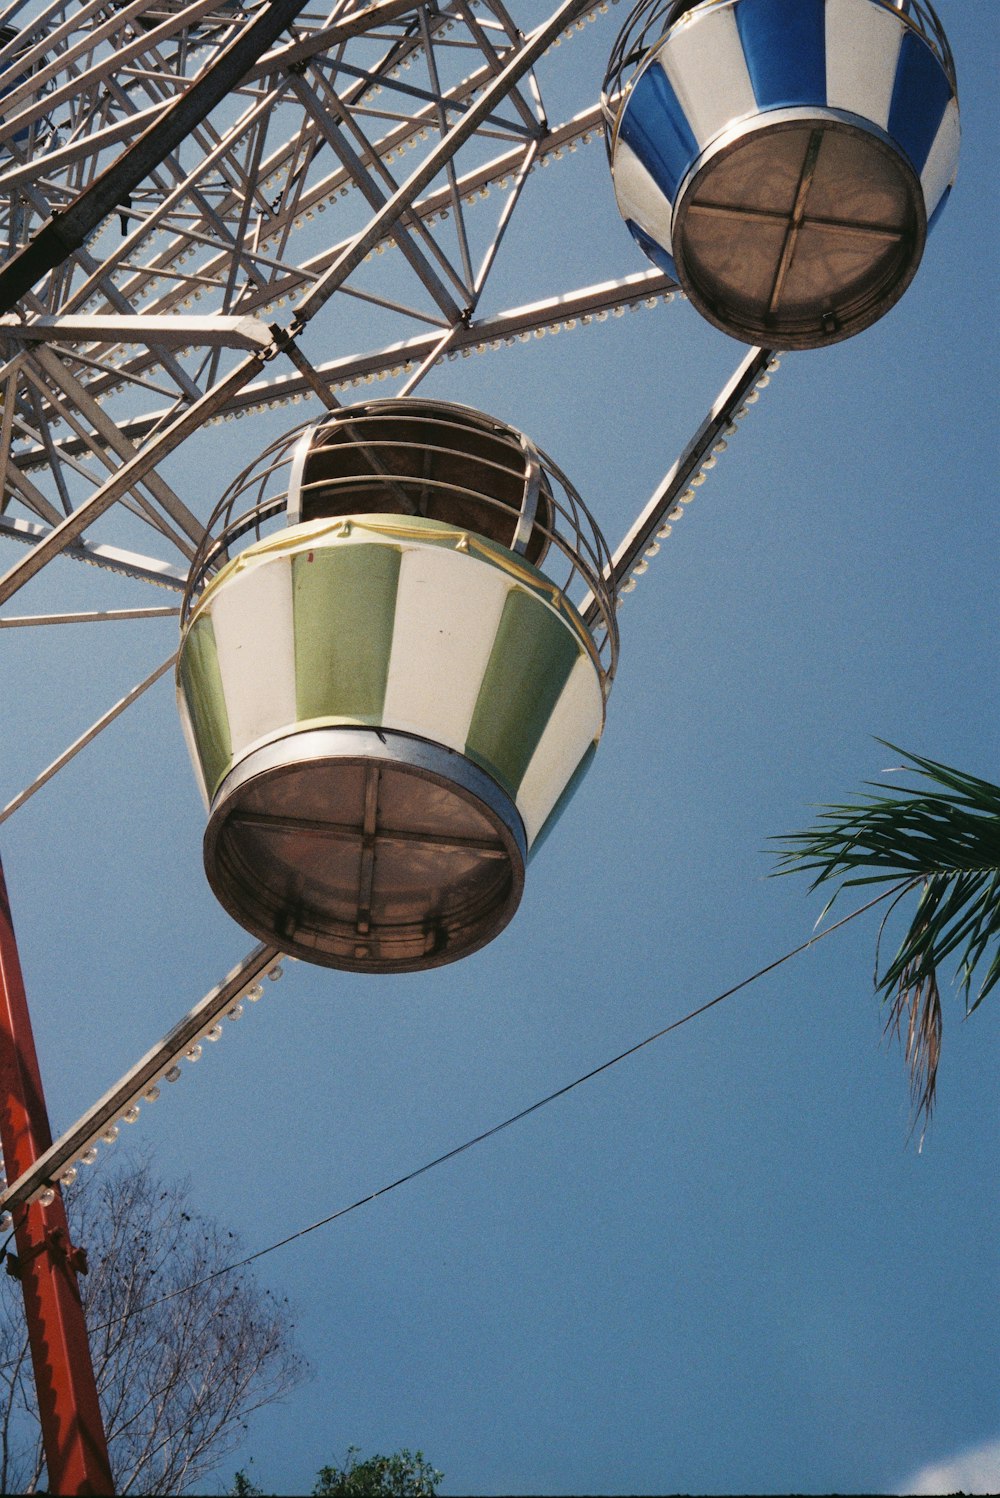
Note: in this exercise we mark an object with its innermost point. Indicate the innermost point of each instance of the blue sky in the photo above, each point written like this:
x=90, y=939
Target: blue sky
x=721, y=1266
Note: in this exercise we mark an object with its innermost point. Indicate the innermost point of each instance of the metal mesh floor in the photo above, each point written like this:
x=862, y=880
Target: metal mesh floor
x=365, y=861
x=800, y=234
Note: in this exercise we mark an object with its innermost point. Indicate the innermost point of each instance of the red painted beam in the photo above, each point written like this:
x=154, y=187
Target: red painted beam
x=76, y=1451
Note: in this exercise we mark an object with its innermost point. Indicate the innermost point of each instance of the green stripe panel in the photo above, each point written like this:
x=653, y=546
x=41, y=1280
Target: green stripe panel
x=201, y=683
x=344, y=603
x=533, y=654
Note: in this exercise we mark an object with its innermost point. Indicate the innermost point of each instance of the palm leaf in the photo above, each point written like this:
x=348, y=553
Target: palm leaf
x=941, y=838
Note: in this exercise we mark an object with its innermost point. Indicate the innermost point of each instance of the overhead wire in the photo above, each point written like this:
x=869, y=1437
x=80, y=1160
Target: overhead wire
x=514, y=1118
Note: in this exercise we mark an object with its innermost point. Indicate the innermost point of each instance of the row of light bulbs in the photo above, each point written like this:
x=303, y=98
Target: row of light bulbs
x=677, y=513
x=308, y=214
x=507, y=340
x=150, y=1092
x=319, y=205
x=423, y=134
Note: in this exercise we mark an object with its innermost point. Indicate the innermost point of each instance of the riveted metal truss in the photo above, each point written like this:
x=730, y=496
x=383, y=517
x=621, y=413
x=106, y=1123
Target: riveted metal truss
x=189, y=189
x=163, y=170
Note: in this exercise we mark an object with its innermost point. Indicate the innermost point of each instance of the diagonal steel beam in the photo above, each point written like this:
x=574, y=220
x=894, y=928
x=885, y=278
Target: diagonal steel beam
x=116, y=442
x=66, y=231
x=663, y=499
x=109, y=558
x=494, y=92
x=73, y=527
x=583, y=305
x=139, y=1083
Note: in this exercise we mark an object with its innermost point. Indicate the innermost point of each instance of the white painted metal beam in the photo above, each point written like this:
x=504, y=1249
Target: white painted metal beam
x=168, y=331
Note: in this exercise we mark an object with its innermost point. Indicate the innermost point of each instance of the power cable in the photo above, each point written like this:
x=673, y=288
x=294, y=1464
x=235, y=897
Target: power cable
x=507, y=1123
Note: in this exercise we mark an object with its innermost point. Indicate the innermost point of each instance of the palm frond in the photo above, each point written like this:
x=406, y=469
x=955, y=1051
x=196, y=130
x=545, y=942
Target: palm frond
x=941, y=837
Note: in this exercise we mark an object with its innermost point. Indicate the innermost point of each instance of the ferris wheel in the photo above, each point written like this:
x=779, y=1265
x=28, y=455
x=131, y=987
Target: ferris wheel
x=399, y=627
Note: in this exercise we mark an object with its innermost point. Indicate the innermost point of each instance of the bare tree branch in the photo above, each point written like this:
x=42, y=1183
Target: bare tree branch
x=176, y=1380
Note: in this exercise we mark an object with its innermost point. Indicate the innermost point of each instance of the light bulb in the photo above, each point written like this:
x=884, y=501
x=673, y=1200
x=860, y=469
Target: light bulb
x=763, y=382
x=6, y=1222
x=652, y=549
x=47, y=1197
x=676, y=513
x=235, y=1013
x=254, y=994
x=720, y=446
x=752, y=398
x=709, y=462
x=214, y=1034
x=89, y=1157
x=664, y=531
x=68, y=1176
x=173, y=1075
x=629, y=587
x=640, y=568
x=131, y=1115
x=110, y=1134
x=151, y=1093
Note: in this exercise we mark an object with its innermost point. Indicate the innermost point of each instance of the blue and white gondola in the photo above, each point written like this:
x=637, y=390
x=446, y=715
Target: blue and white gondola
x=785, y=159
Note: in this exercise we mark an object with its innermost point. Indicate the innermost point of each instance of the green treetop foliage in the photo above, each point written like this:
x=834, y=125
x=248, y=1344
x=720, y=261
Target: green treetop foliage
x=402, y=1475
x=405, y=1474
x=941, y=840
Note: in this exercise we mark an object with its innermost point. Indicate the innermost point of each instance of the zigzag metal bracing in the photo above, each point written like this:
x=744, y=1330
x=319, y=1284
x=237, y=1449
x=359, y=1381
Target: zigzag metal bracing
x=333, y=118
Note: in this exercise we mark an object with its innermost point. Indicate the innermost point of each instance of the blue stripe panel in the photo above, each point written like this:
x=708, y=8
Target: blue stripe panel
x=784, y=42
x=652, y=250
x=655, y=126
x=938, y=210
x=919, y=100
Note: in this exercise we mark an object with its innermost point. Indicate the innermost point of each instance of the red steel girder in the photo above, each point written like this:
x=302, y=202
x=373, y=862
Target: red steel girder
x=76, y=1450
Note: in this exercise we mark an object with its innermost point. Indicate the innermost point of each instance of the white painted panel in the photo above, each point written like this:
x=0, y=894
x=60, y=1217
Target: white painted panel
x=255, y=641
x=187, y=729
x=942, y=163
x=576, y=722
x=638, y=196
x=448, y=607
x=862, y=50
x=705, y=63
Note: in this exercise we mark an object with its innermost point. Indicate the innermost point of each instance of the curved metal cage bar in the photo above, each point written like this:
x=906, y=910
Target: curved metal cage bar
x=566, y=545
x=652, y=19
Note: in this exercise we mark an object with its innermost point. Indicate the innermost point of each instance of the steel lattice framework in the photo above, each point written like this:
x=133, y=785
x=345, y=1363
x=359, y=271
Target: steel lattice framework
x=157, y=156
